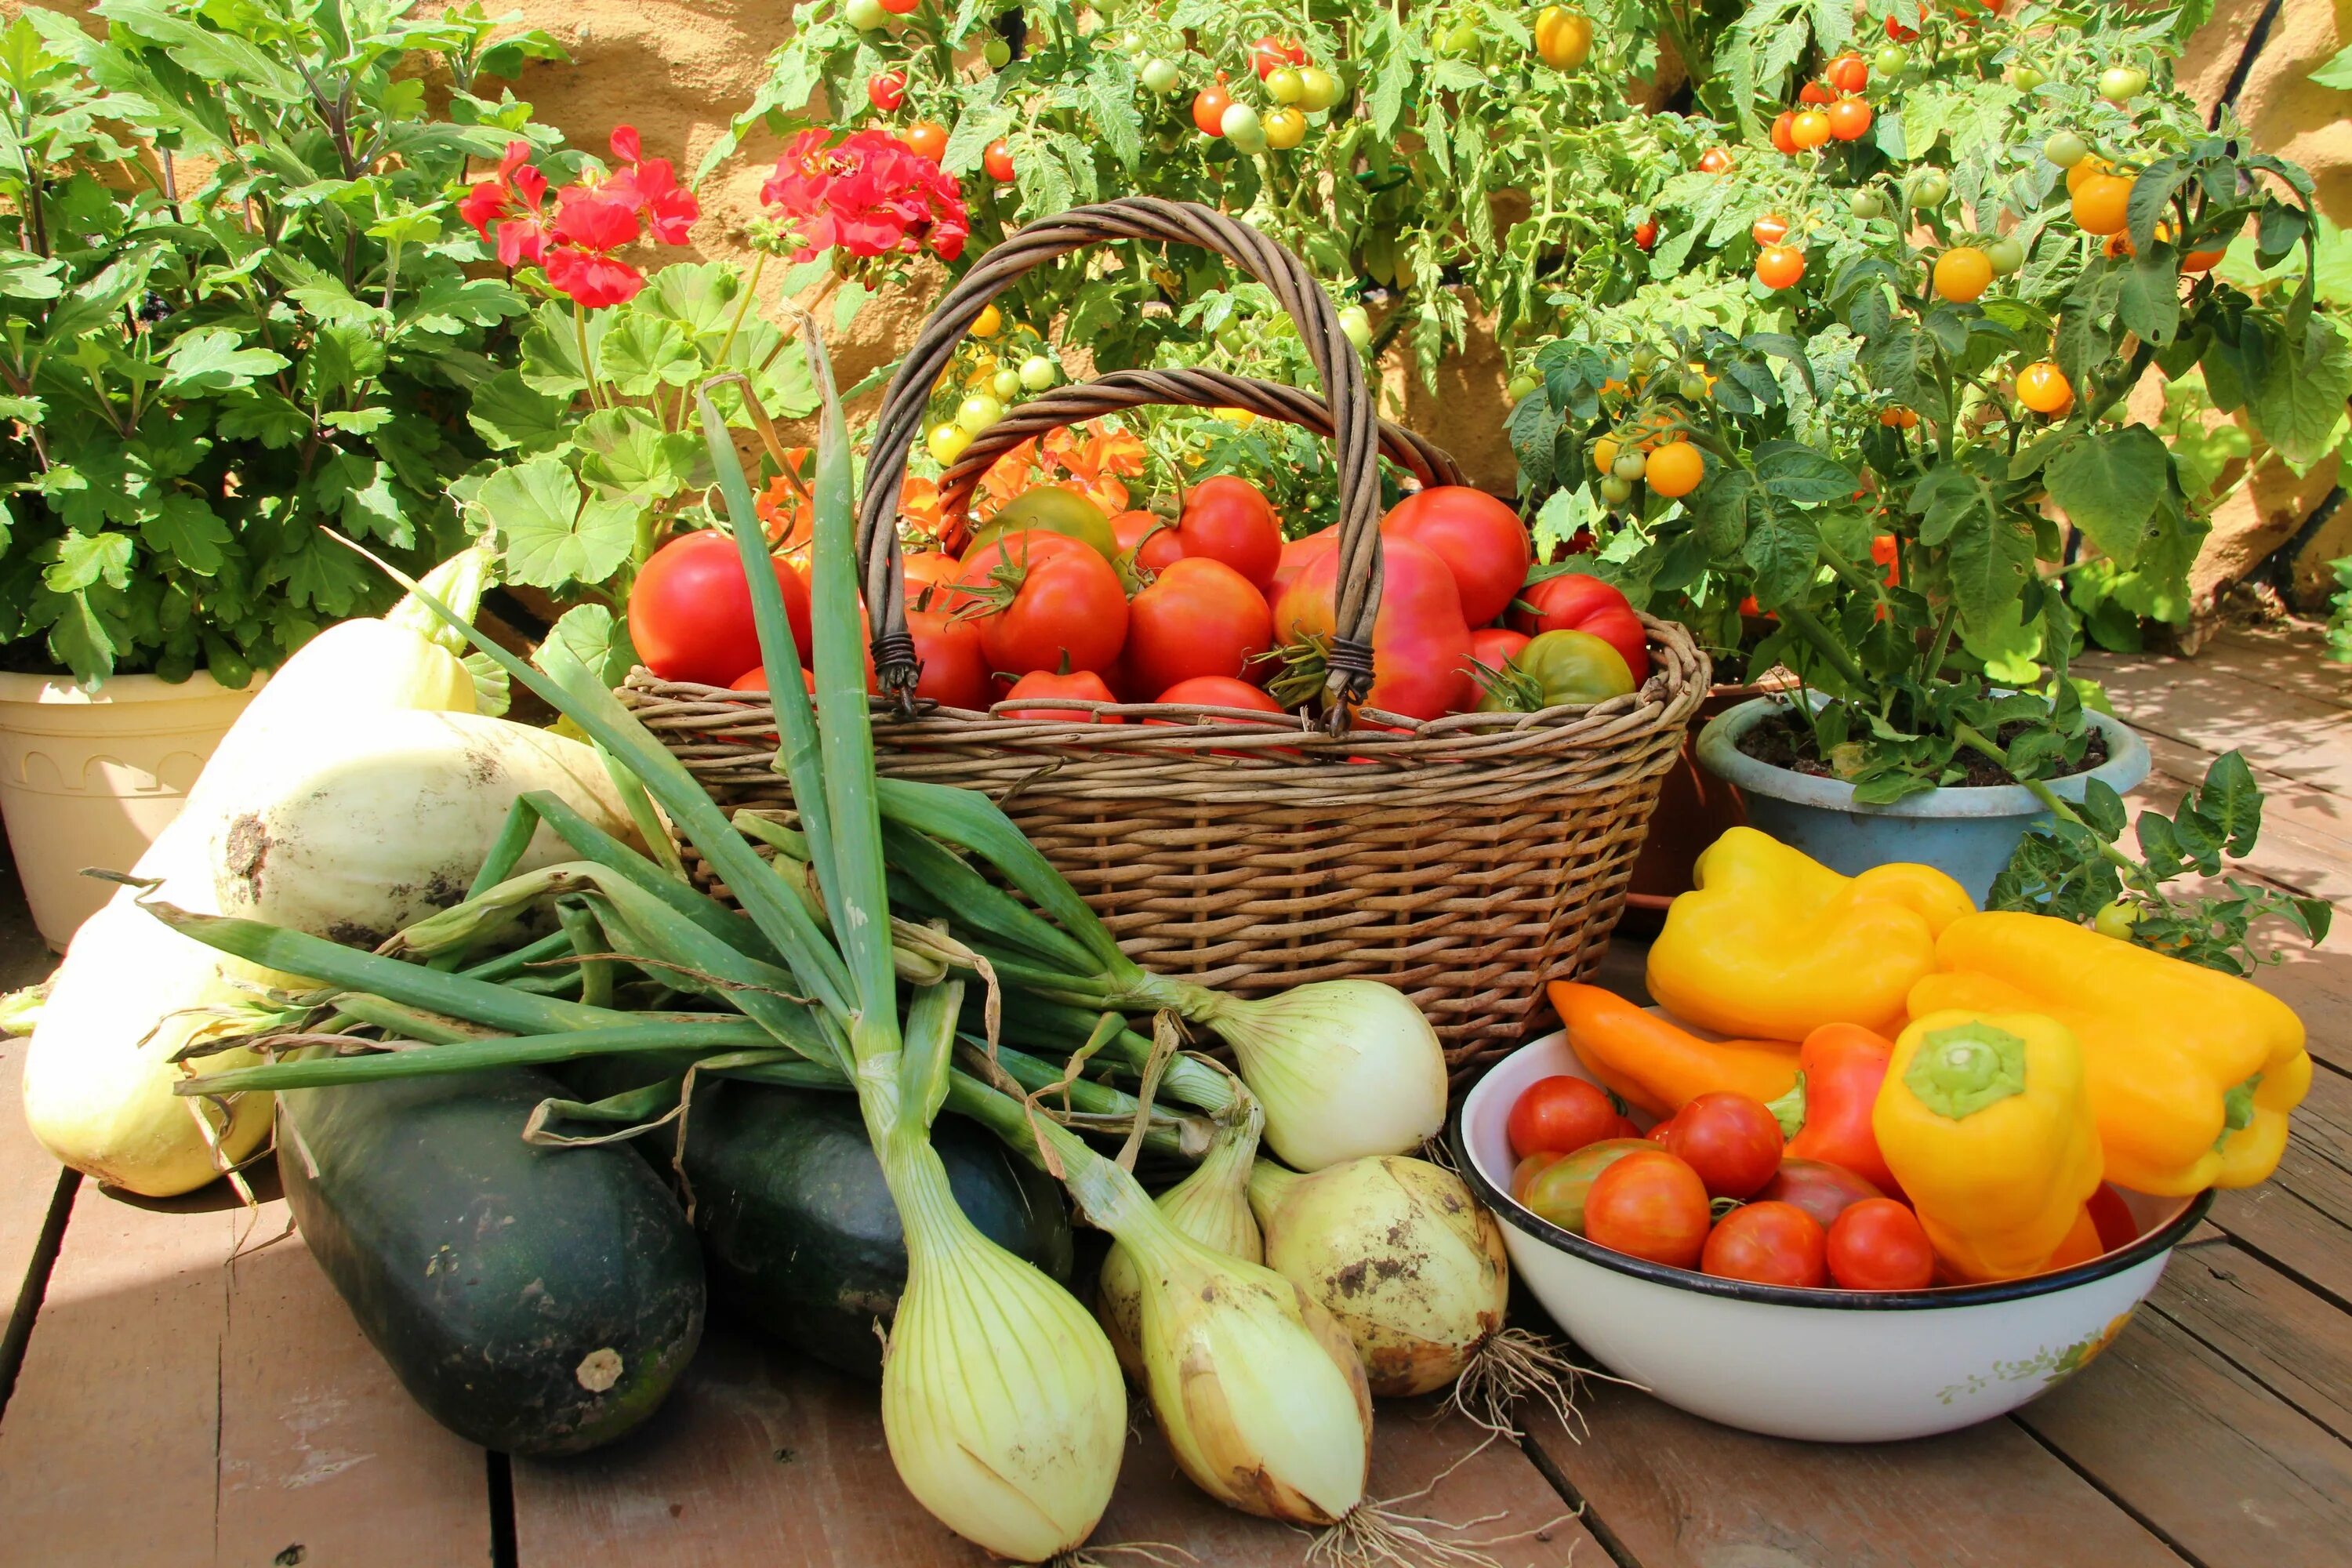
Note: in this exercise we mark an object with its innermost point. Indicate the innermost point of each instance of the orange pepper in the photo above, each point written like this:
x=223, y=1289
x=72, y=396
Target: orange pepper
x=1657, y=1067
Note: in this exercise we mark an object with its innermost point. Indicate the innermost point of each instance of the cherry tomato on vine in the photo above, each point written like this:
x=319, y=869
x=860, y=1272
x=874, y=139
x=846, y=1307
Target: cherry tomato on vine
x=1285, y=128
x=2091, y=166
x=1779, y=266
x=2025, y=79
x=1769, y=229
x=978, y=412
x=1270, y=54
x=990, y=321
x=1889, y=60
x=1849, y=72
x=1209, y=106
x=1616, y=492
x=1322, y=87
x=998, y=161
x=1649, y=1204
x=1768, y=1243
x=1879, y=1245
x=1901, y=34
x=1962, y=274
x=1159, y=75
x=1898, y=419
x=2044, y=387
x=2101, y=203
x=1356, y=322
x=1645, y=233
x=997, y=53
x=866, y=15
x=900, y=7
x=2007, y=256
x=1559, y=1115
x=2121, y=84
x=2065, y=149
x=1931, y=190
x=1604, y=453
x=1866, y=204
x=1849, y=119
x=1631, y=463
x=1240, y=126
x=1563, y=37
x=1674, y=469
x=927, y=139
x=1783, y=137
x=1809, y=130
x=887, y=90
x=1815, y=93
x=1283, y=84
x=946, y=442
x=1039, y=372
x=1715, y=161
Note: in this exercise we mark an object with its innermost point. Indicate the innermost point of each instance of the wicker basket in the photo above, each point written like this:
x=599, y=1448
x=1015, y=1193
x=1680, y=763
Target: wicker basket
x=1465, y=860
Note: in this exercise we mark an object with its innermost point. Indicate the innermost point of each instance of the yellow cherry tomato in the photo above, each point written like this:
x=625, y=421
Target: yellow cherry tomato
x=1675, y=469
x=988, y=323
x=1962, y=274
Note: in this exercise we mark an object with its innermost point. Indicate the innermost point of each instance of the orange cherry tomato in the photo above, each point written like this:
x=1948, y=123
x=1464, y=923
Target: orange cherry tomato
x=1769, y=229
x=1715, y=161
x=1783, y=137
x=1779, y=266
x=928, y=138
x=2043, y=388
x=1815, y=93
x=1674, y=469
x=1849, y=119
x=1809, y=130
x=1898, y=419
x=1209, y=111
x=1849, y=72
x=2101, y=203
x=1962, y=274
x=997, y=159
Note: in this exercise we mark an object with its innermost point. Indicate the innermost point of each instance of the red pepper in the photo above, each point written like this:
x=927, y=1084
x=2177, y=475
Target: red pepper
x=1840, y=1068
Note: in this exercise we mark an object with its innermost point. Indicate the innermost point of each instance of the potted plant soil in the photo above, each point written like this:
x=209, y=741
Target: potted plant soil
x=209, y=363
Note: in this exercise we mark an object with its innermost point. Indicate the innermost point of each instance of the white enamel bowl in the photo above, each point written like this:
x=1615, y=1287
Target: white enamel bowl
x=1837, y=1366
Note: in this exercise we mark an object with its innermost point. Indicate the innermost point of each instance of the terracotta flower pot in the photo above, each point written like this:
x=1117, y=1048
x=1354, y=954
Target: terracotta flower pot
x=90, y=778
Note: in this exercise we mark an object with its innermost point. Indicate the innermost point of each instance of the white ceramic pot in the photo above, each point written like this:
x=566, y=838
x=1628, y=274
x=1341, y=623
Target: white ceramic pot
x=90, y=778
x=1840, y=1366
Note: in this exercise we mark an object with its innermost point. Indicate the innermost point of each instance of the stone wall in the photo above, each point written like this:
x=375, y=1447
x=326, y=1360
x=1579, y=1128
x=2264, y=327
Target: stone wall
x=678, y=68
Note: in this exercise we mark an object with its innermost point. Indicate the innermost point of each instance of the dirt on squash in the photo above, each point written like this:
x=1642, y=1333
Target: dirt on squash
x=1781, y=741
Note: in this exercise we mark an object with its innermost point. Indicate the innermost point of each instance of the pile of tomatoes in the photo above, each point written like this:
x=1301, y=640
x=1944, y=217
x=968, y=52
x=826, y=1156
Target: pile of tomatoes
x=1710, y=1189
x=1293, y=85
x=1051, y=599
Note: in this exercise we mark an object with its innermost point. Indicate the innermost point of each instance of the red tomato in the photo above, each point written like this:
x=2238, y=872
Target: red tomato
x=997, y=159
x=1495, y=647
x=1577, y=602
x=1559, y=1115
x=925, y=570
x=1715, y=161
x=1813, y=93
x=1768, y=1243
x=1645, y=233
x=900, y=7
x=1219, y=691
x=1849, y=72
x=1769, y=229
x=1784, y=137
x=886, y=90
x=927, y=139
x=1148, y=539
x=1731, y=1140
x=1482, y=542
x=1228, y=520
x=690, y=610
x=1200, y=616
x=1661, y=1132
x=1649, y=1204
x=1625, y=1127
x=756, y=679
x=1421, y=645
x=1269, y=53
x=1084, y=685
x=1822, y=1190
x=1297, y=554
x=1879, y=1245
x=1068, y=612
x=953, y=658
x=1208, y=110
x=1849, y=119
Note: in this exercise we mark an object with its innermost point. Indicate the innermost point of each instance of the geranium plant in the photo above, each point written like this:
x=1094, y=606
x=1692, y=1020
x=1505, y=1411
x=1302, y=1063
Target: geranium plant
x=205, y=371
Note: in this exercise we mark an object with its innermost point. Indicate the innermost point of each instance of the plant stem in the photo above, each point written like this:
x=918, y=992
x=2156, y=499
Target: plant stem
x=1818, y=635
x=1970, y=737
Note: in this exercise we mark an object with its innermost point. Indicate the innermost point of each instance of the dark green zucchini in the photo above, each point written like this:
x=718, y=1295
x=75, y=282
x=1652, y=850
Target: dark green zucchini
x=532, y=1300
x=799, y=1232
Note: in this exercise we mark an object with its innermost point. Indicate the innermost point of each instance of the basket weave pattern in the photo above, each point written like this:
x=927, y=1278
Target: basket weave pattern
x=1465, y=860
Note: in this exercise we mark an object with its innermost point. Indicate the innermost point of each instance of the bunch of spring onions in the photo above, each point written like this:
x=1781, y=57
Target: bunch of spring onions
x=1003, y=1401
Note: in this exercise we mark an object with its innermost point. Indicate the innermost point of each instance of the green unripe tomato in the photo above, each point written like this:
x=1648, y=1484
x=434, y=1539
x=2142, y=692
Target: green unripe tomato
x=1159, y=75
x=2065, y=149
x=997, y=53
x=1866, y=204
x=1616, y=492
x=2006, y=255
x=1889, y=61
x=1284, y=85
x=1461, y=38
x=1630, y=465
x=978, y=412
x=2025, y=79
x=1006, y=384
x=866, y=15
x=1522, y=387
x=1233, y=335
x=1243, y=128
x=1357, y=322
x=1644, y=360
x=2117, y=919
x=2121, y=84
x=947, y=442
x=1930, y=190
x=1130, y=43
x=1693, y=387
x=1318, y=90
x=1037, y=373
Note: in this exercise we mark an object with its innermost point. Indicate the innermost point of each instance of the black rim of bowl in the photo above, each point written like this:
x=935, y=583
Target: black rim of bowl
x=1511, y=1212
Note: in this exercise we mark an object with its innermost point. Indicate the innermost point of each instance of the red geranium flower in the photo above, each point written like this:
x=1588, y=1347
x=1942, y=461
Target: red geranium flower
x=491, y=206
x=669, y=208
x=872, y=194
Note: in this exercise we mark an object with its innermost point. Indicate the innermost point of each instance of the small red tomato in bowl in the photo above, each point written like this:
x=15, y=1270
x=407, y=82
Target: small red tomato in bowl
x=1579, y=601
x=1822, y=1190
x=1555, y=1187
x=1879, y=1245
x=1560, y=1115
x=1731, y=1140
x=1649, y=1204
x=1768, y=1243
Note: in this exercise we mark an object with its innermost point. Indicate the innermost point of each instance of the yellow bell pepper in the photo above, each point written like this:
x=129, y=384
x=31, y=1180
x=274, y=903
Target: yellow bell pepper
x=1774, y=944
x=2192, y=1072
x=1985, y=1120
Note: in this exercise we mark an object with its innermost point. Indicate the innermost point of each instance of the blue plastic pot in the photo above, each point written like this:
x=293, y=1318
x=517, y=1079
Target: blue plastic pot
x=1969, y=833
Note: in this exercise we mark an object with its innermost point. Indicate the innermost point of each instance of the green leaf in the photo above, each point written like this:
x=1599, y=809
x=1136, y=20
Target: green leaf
x=359, y=489
x=211, y=360
x=262, y=413
x=186, y=530
x=79, y=559
x=2335, y=73
x=2150, y=301
x=1802, y=476
x=448, y=305
x=642, y=353
x=593, y=636
x=1782, y=549
x=626, y=449
x=2109, y=481
x=549, y=537
x=510, y=417
x=1989, y=567
x=2299, y=404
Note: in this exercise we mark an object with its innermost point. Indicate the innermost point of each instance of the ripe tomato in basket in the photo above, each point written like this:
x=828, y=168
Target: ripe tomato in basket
x=953, y=658
x=1297, y=556
x=1083, y=685
x=1199, y=617
x=1578, y=602
x=1482, y=542
x=1420, y=645
x=1043, y=602
x=1228, y=520
x=1148, y=539
x=690, y=610
x=1217, y=691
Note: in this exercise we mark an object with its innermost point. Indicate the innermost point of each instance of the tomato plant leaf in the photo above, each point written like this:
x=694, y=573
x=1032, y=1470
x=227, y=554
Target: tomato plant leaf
x=2109, y=481
x=1797, y=474
x=1989, y=566
x=2299, y=403
x=2150, y=302
x=1782, y=549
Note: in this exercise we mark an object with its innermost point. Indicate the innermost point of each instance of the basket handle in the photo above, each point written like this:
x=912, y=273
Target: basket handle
x=1135, y=217
x=1121, y=390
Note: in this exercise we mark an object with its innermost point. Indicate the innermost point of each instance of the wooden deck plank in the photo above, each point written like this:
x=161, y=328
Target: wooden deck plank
x=2206, y=706
x=2295, y=1343
x=1667, y=1489
x=762, y=1456
x=31, y=1186
x=2210, y=1460
x=2288, y=658
x=2306, y=838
